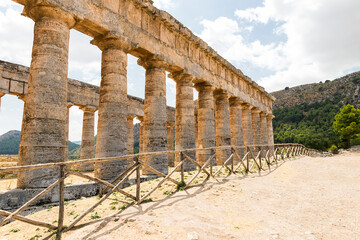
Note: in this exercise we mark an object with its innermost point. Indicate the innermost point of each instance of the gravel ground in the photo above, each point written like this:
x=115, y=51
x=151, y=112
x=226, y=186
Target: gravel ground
x=305, y=198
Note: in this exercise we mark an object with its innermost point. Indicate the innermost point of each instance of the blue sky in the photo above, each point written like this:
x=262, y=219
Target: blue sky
x=278, y=43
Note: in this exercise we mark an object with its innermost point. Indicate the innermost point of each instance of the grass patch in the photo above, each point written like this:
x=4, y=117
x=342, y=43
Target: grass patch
x=181, y=186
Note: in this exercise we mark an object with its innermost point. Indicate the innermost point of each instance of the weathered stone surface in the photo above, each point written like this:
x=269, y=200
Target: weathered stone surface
x=184, y=117
x=170, y=143
x=112, y=125
x=43, y=138
x=236, y=125
x=80, y=94
x=269, y=119
x=155, y=132
x=263, y=129
x=255, y=116
x=247, y=124
x=222, y=124
x=87, y=150
x=206, y=121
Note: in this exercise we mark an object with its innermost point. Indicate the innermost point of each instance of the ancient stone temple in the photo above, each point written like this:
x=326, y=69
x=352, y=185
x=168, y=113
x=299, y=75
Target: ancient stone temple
x=231, y=108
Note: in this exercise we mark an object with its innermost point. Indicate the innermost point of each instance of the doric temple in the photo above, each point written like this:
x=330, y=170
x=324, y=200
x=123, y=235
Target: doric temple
x=231, y=109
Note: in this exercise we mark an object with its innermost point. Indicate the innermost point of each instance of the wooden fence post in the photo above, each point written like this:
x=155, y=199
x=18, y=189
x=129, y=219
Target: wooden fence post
x=61, y=203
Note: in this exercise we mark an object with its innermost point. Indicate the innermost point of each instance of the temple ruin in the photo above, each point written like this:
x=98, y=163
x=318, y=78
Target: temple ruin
x=231, y=108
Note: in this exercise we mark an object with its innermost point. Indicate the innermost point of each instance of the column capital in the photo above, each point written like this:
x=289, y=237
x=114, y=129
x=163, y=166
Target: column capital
x=255, y=110
x=203, y=86
x=220, y=93
x=181, y=76
x=113, y=40
x=246, y=106
x=234, y=101
x=153, y=61
x=170, y=124
x=89, y=109
x=270, y=116
x=36, y=10
x=140, y=118
x=262, y=114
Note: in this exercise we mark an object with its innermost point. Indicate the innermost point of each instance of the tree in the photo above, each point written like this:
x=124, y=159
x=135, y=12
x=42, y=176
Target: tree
x=347, y=123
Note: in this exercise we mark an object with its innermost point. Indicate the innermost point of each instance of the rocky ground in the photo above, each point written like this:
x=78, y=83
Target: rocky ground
x=305, y=198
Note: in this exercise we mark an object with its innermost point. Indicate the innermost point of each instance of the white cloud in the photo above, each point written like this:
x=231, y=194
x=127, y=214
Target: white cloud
x=164, y=4
x=322, y=40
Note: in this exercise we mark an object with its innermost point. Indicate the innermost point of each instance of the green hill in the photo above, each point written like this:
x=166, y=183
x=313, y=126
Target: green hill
x=10, y=141
x=305, y=114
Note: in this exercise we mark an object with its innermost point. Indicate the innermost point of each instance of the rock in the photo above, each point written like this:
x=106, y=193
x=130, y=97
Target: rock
x=116, y=219
x=192, y=236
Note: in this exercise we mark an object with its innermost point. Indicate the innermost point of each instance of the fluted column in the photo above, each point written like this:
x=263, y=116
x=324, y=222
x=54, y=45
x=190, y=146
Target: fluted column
x=170, y=142
x=236, y=125
x=155, y=132
x=222, y=124
x=87, y=150
x=255, y=115
x=112, y=123
x=206, y=121
x=263, y=129
x=247, y=125
x=184, y=117
x=43, y=136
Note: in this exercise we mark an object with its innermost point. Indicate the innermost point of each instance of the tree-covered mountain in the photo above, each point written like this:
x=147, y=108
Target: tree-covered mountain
x=10, y=141
x=305, y=114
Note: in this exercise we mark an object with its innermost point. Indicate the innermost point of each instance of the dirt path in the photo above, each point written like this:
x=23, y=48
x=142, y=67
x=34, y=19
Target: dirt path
x=305, y=198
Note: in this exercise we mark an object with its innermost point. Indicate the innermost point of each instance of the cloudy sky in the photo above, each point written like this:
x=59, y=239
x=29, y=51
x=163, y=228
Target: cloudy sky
x=278, y=43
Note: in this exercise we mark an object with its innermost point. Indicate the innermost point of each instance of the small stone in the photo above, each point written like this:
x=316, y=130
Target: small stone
x=116, y=219
x=166, y=236
x=308, y=233
x=192, y=236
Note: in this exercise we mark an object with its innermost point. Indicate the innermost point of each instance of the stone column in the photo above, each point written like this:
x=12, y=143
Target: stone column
x=222, y=123
x=247, y=125
x=87, y=150
x=236, y=125
x=66, y=156
x=112, y=124
x=130, y=135
x=270, y=130
x=206, y=121
x=155, y=132
x=43, y=136
x=141, y=135
x=255, y=115
x=170, y=142
x=1, y=95
x=263, y=129
x=184, y=117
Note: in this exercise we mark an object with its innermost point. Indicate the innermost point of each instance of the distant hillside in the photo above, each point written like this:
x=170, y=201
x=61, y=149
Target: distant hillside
x=342, y=90
x=10, y=141
x=305, y=114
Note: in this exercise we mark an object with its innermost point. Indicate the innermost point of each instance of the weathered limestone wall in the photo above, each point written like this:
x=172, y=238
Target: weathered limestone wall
x=236, y=125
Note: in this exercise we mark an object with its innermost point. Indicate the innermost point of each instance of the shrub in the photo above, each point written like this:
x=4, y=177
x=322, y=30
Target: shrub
x=334, y=149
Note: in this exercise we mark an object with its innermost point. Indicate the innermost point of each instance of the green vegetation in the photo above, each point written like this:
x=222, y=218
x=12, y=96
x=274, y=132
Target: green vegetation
x=334, y=149
x=310, y=124
x=347, y=123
